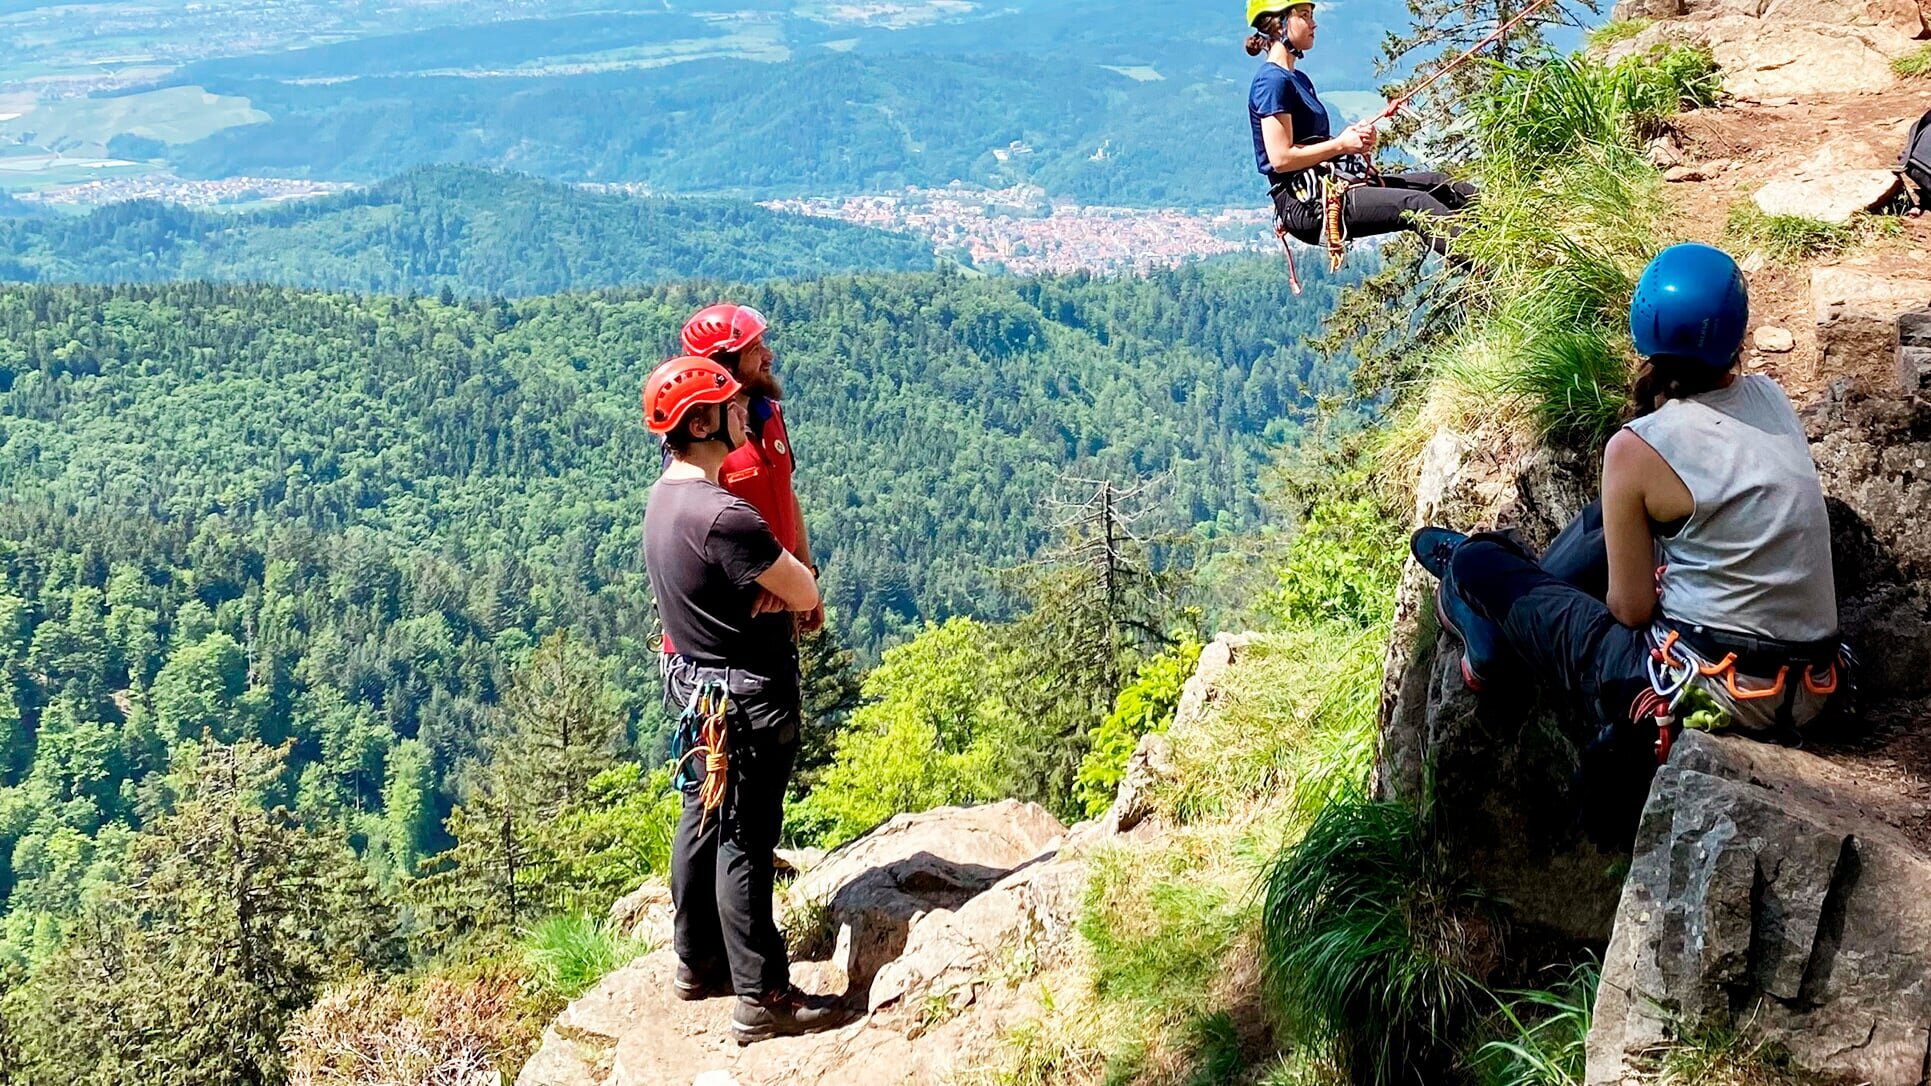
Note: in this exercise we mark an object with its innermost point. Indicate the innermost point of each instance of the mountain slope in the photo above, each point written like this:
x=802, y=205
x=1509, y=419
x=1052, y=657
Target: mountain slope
x=473, y=231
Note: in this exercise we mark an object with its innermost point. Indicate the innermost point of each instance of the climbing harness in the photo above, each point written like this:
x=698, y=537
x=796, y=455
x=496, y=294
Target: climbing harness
x=701, y=745
x=1677, y=681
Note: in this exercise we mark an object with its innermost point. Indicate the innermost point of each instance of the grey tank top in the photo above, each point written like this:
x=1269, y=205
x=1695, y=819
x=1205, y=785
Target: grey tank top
x=1755, y=556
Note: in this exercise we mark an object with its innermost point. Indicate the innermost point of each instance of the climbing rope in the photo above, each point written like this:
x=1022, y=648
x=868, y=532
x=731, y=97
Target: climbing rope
x=703, y=738
x=1401, y=103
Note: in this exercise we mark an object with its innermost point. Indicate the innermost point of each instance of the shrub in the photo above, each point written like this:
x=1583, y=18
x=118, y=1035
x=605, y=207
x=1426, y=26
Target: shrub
x=1343, y=565
x=1617, y=31
x=438, y=1030
x=568, y=955
x=1546, y=1034
x=1146, y=705
x=1372, y=946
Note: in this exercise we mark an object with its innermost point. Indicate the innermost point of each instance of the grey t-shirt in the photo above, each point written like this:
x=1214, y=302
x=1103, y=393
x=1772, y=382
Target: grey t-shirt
x=705, y=550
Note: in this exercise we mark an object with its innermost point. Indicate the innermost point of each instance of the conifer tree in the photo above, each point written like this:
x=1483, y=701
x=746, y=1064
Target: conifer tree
x=229, y=919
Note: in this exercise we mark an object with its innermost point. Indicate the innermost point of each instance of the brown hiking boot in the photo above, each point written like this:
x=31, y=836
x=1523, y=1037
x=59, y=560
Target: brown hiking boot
x=784, y=1013
x=691, y=985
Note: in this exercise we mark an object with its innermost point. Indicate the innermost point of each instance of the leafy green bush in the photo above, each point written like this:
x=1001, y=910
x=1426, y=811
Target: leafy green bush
x=1146, y=705
x=1915, y=65
x=618, y=835
x=568, y=955
x=922, y=738
x=1343, y=565
x=1372, y=946
x=1546, y=1034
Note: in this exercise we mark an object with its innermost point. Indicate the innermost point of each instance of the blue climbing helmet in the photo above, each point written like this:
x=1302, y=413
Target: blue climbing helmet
x=1691, y=304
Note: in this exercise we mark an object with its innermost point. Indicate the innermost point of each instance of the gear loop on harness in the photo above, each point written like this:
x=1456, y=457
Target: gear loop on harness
x=701, y=745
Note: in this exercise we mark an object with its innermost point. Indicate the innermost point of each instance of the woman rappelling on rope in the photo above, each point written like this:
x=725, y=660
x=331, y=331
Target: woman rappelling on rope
x=1324, y=186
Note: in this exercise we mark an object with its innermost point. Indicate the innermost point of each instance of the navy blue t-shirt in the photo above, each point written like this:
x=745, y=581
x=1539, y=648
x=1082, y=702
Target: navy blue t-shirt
x=1276, y=91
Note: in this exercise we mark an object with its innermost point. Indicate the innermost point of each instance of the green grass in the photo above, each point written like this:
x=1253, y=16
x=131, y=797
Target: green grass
x=568, y=955
x=1617, y=31
x=1372, y=947
x=1724, y=1058
x=1537, y=115
x=1914, y=65
x=1793, y=237
x=1545, y=1034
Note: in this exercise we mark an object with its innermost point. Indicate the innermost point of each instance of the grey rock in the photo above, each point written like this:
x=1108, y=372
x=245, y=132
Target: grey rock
x=875, y=887
x=1147, y=769
x=645, y=913
x=1832, y=198
x=1762, y=897
x=1773, y=340
x=1857, y=319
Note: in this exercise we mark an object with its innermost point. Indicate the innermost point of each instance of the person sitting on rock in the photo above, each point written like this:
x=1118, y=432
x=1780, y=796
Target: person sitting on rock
x=1714, y=480
x=1298, y=152
x=711, y=560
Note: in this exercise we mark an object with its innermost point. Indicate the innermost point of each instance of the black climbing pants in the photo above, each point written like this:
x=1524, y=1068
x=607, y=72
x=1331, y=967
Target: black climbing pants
x=1553, y=617
x=1552, y=612
x=721, y=864
x=1370, y=210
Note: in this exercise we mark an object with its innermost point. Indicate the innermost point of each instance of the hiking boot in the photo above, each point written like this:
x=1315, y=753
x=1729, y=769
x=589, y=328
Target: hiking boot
x=784, y=1013
x=692, y=985
x=1482, y=641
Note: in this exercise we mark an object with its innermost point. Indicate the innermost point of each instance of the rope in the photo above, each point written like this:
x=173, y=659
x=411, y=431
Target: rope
x=1401, y=103
x=1293, y=273
x=709, y=708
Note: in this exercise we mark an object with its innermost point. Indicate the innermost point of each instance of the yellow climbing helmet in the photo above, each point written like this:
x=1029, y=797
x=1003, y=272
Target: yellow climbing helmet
x=1258, y=8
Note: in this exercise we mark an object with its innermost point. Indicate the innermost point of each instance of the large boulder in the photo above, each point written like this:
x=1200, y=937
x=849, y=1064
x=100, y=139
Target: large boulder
x=1833, y=198
x=872, y=889
x=1789, y=58
x=1494, y=771
x=1765, y=896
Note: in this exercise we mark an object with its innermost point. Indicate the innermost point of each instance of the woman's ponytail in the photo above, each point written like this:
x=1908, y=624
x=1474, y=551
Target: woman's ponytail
x=1663, y=379
x=1267, y=30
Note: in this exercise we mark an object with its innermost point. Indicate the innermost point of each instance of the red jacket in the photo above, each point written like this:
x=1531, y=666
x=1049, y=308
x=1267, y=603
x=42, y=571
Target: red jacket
x=760, y=472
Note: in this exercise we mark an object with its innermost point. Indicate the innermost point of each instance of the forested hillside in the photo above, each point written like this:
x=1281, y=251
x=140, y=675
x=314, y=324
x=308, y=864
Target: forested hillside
x=339, y=522
x=470, y=231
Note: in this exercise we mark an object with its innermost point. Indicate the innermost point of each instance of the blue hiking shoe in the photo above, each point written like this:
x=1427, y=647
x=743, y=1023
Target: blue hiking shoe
x=1482, y=641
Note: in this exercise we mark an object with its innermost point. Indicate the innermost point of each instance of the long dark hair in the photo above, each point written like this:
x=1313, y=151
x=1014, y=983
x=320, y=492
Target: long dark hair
x=1665, y=378
x=1268, y=29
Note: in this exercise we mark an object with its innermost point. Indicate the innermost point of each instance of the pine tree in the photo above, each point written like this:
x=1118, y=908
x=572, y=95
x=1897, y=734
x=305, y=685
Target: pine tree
x=561, y=729
x=230, y=919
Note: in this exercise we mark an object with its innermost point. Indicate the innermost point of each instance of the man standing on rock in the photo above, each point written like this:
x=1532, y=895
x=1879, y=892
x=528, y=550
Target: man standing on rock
x=759, y=471
x=713, y=564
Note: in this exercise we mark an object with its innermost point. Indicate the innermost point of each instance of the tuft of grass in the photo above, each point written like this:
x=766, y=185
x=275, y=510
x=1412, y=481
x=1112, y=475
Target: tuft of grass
x=1576, y=382
x=568, y=955
x=1161, y=925
x=1545, y=1034
x=1373, y=947
x=1617, y=31
x=809, y=933
x=1793, y=237
x=1915, y=65
x=1297, y=730
x=1724, y=1058
x=1535, y=116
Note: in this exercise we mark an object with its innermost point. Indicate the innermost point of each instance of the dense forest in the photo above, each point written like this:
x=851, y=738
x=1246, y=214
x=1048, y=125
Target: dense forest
x=470, y=231
x=337, y=525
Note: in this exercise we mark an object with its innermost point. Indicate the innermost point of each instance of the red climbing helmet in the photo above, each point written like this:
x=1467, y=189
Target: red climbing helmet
x=722, y=327
x=681, y=384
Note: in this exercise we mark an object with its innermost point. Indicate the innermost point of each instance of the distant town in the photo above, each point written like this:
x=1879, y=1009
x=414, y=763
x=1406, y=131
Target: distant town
x=1027, y=233
x=1019, y=229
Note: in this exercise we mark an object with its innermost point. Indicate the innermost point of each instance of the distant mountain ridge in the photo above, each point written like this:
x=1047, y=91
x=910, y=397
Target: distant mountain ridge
x=474, y=232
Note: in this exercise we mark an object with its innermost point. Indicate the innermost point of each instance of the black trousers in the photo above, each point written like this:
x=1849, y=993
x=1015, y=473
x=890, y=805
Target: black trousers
x=1553, y=617
x=1552, y=613
x=721, y=866
x=1370, y=210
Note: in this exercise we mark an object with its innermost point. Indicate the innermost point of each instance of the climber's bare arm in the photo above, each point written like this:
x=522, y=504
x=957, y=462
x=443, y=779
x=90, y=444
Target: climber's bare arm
x=1277, y=132
x=1626, y=534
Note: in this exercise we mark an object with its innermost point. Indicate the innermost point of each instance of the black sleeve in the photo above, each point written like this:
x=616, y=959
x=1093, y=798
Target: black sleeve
x=742, y=544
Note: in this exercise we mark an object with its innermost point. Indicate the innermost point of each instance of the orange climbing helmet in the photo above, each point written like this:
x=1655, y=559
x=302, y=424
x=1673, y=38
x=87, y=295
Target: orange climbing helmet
x=722, y=327
x=675, y=387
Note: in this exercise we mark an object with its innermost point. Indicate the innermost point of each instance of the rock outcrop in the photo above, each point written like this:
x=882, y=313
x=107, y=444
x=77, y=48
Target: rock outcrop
x=1766, y=895
x=1771, y=48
